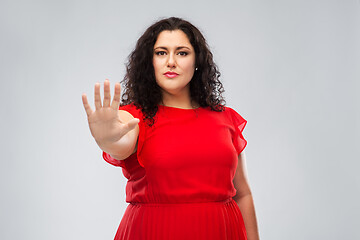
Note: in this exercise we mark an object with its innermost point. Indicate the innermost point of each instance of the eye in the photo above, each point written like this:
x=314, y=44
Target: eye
x=160, y=53
x=183, y=53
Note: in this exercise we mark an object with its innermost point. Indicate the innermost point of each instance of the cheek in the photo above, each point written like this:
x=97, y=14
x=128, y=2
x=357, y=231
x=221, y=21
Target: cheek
x=158, y=65
x=154, y=65
x=188, y=65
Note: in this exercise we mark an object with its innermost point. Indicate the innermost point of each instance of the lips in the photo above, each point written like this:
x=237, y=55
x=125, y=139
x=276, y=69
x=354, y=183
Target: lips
x=171, y=74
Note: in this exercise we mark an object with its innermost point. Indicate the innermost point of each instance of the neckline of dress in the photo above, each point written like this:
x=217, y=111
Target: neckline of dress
x=175, y=108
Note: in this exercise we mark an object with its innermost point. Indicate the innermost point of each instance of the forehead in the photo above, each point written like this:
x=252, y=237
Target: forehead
x=172, y=39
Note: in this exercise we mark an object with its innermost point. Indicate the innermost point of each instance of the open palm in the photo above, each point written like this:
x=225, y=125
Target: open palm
x=104, y=123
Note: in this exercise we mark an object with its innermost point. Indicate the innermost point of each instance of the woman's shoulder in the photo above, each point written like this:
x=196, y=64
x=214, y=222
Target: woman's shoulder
x=230, y=114
x=235, y=116
x=221, y=109
x=131, y=108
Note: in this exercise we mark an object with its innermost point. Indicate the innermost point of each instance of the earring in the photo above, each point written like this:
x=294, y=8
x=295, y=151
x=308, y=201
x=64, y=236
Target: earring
x=196, y=69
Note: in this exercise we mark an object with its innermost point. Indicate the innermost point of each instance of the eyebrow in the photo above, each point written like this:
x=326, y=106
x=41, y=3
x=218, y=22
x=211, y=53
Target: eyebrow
x=180, y=47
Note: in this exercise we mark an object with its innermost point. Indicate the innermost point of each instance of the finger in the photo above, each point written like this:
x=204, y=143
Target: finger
x=86, y=105
x=116, y=101
x=97, y=96
x=107, y=96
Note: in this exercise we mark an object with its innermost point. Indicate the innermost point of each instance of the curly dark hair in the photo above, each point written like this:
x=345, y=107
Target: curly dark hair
x=140, y=84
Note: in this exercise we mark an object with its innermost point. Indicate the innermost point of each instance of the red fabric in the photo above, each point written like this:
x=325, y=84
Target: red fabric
x=180, y=180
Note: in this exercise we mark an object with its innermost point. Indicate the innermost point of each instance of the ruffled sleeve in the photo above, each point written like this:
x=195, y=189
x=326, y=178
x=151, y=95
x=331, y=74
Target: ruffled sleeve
x=136, y=113
x=239, y=124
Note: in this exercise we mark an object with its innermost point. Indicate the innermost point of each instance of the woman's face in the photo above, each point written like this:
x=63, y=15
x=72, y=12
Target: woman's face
x=174, y=63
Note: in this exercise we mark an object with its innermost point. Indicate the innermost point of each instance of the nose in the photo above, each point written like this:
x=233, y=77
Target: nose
x=171, y=61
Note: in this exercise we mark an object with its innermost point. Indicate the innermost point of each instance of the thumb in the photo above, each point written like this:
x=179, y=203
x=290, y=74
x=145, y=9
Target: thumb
x=132, y=123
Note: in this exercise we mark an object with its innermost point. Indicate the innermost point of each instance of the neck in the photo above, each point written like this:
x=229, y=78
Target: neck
x=179, y=101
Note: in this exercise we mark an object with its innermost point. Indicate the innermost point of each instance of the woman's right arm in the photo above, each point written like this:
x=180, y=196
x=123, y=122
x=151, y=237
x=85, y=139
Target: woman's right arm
x=115, y=131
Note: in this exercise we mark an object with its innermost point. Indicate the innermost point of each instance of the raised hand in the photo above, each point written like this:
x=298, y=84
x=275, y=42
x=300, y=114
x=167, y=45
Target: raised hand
x=105, y=123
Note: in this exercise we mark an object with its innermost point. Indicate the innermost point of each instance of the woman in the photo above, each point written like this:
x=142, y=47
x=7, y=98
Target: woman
x=179, y=147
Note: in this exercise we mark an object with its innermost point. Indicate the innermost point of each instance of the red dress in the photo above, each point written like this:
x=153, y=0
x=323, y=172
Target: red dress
x=180, y=180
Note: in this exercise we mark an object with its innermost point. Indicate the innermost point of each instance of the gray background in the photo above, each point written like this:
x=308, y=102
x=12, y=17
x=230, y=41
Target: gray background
x=291, y=68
